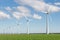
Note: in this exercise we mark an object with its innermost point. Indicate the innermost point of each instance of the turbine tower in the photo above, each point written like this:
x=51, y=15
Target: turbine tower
x=47, y=23
x=27, y=26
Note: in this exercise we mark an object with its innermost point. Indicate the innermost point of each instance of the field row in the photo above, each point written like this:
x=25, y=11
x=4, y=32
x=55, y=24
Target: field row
x=29, y=37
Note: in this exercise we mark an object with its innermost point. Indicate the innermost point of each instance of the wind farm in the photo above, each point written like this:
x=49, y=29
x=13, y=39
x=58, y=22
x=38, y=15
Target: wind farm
x=29, y=20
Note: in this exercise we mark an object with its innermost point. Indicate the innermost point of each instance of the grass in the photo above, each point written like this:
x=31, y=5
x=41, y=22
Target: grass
x=29, y=37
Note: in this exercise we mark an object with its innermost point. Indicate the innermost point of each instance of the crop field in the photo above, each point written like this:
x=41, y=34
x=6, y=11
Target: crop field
x=29, y=37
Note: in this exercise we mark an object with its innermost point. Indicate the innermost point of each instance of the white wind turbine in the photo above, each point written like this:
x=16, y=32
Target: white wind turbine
x=47, y=19
x=19, y=25
x=28, y=21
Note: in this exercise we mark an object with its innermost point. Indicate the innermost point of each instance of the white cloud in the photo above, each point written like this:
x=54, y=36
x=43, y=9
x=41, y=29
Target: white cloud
x=23, y=9
x=8, y=8
x=17, y=15
x=3, y=15
x=53, y=8
x=24, y=12
x=35, y=16
x=21, y=12
x=57, y=3
x=39, y=5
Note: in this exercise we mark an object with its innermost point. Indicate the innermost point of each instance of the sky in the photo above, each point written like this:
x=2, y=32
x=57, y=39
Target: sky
x=15, y=14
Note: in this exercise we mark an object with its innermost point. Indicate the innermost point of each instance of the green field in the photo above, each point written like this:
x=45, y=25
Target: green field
x=29, y=37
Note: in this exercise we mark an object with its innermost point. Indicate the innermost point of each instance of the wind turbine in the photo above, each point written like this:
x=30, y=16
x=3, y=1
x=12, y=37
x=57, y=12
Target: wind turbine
x=28, y=21
x=47, y=20
x=18, y=25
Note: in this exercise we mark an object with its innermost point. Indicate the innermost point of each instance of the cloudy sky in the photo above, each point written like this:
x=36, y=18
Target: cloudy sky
x=14, y=16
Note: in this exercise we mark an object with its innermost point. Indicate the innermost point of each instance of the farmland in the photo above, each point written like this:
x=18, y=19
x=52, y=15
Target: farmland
x=29, y=37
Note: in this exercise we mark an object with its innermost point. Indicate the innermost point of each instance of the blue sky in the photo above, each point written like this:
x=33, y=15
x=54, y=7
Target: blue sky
x=15, y=13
